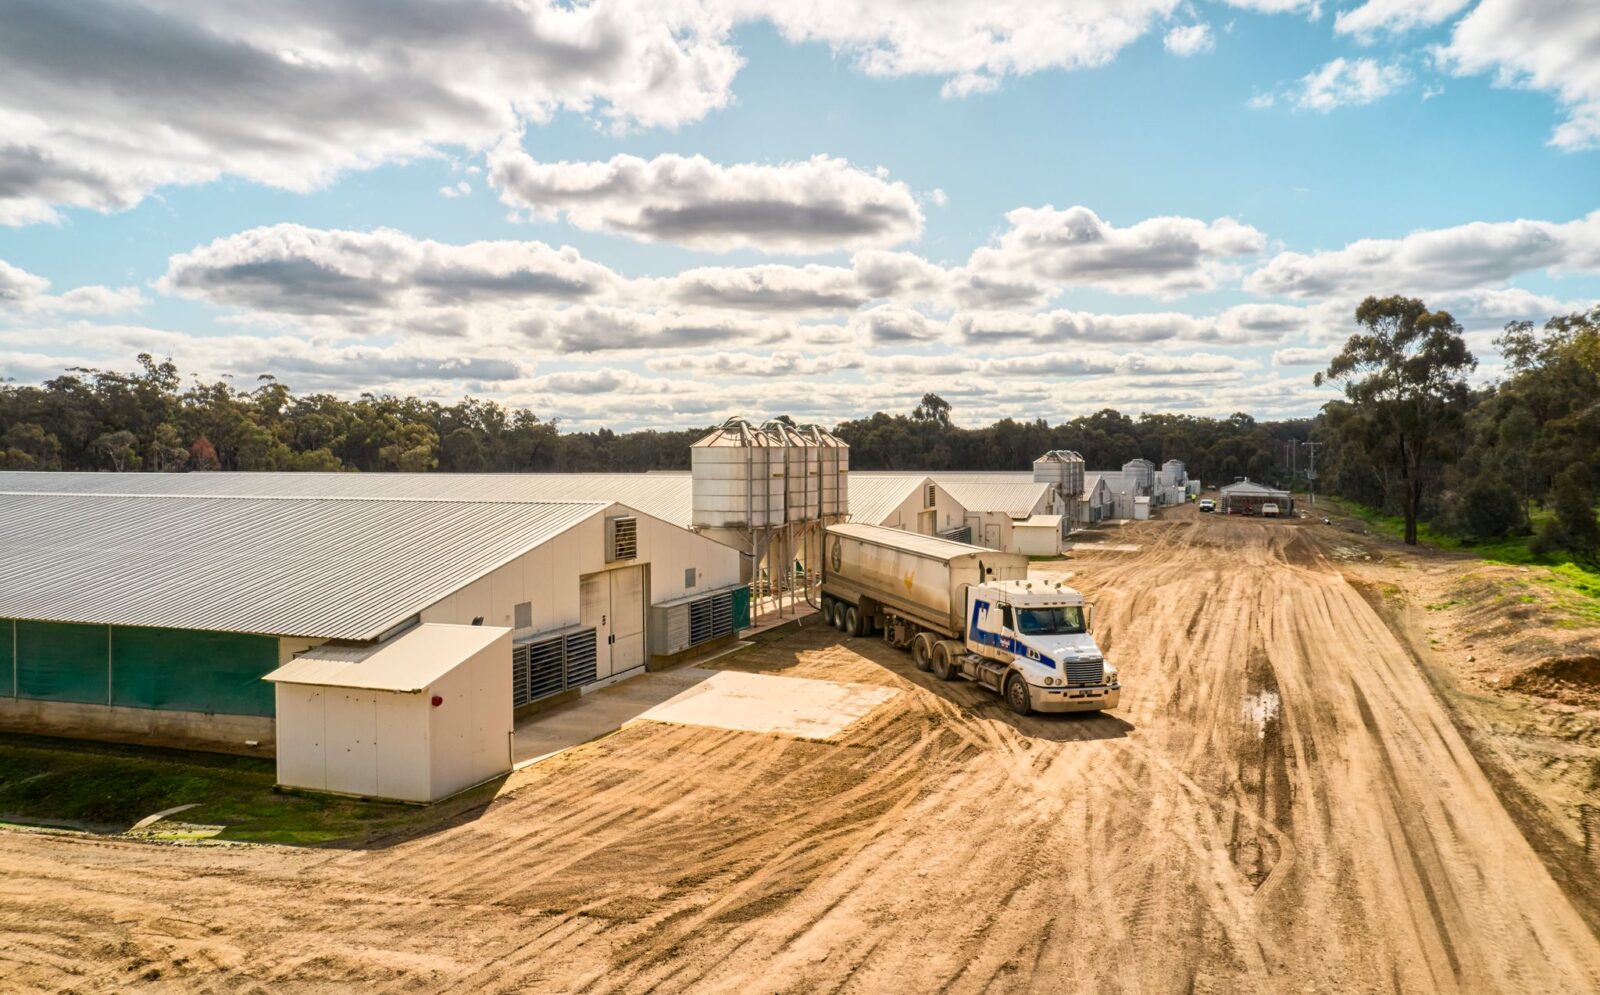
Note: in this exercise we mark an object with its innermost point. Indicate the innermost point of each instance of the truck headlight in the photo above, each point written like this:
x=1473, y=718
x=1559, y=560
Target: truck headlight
x=1111, y=674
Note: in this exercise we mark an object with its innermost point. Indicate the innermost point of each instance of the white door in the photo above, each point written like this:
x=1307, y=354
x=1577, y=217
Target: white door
x=594, y=610
x=991, y=536
x=627, y=619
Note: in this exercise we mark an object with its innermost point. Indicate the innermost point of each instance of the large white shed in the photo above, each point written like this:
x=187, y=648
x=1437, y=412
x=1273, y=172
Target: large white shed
x=417, y=717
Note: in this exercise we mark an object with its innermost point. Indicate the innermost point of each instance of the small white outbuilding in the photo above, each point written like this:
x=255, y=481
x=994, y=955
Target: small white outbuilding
x=416, y=717
x=1037, y=535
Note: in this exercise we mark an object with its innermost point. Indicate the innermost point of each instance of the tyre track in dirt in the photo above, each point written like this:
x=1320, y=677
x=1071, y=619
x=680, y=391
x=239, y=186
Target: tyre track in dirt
x=1281, y=804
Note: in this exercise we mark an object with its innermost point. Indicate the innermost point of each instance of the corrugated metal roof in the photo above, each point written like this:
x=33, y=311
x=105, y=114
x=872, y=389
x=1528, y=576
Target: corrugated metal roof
x=875, y=496
x=409, y=662
x=665, y=496
x=1250, y=487
x=1015, y=499
x=338, y=568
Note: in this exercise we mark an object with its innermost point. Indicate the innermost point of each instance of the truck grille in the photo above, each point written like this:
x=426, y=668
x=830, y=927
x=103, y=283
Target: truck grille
x=1085, y=672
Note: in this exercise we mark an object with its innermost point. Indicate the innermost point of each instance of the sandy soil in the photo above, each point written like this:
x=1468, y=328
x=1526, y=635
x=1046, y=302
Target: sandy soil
x=1282, y=803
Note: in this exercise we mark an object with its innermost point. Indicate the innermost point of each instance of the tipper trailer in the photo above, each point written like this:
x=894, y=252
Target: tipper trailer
x=966, y=611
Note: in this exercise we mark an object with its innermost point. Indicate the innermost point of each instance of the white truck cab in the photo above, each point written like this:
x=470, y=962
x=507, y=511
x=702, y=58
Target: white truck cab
x=1031, y=641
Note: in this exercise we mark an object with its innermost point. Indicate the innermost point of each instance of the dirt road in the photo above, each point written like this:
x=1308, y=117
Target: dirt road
x=1281, y=804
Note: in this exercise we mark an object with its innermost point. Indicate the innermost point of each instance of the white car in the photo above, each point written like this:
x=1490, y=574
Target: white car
x=1206, y=504
x=1269, y=510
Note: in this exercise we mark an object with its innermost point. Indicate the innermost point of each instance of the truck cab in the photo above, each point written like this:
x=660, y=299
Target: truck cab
x=1031, y=641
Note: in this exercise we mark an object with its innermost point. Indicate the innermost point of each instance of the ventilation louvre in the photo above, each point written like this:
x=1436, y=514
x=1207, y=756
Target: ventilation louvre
x=622, y=539
x=554, y=663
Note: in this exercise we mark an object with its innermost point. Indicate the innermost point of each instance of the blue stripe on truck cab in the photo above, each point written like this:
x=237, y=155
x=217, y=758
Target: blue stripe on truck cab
x=999, y=640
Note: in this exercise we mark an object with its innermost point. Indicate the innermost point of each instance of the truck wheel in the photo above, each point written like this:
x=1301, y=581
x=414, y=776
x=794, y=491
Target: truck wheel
x=944, y=662
x=827, y=610
x=838, y=615
x=1017, y=695
x=922, y=651
x=852, y=621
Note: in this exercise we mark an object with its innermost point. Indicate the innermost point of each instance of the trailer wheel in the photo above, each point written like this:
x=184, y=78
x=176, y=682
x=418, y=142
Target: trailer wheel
x=852, y=621
x=827, y=609
x=1017, y=695
x=922, y=651
x=944, y=662
x=838, y=615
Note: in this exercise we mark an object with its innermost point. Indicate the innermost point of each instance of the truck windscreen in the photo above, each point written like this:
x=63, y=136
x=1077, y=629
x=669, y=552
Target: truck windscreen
x=1050, y=621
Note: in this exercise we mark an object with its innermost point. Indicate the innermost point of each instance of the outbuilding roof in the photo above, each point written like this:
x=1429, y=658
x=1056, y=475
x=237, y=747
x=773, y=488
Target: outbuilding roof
x=410, y=662
x=1014, y=498
x=875, y=496
x=335, y=568
x=1248, y=487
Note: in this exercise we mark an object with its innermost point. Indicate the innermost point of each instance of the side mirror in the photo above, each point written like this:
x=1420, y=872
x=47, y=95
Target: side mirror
x=1088, y=618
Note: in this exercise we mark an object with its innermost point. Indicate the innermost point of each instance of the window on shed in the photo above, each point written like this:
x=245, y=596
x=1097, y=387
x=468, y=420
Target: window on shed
x=522, y=614
x=688, y=577
x=930, y=496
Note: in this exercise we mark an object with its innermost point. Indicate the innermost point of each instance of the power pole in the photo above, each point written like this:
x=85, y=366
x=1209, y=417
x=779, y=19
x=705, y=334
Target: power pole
x=1311, y=471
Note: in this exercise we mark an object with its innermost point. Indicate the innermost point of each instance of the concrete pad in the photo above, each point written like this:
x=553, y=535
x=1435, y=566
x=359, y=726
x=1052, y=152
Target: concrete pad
x=790, y=706
x=599, y=713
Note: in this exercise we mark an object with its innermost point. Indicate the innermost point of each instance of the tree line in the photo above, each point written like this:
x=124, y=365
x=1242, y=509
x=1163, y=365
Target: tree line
x=148, y=420
x=1410, y=435
x=1518, y=456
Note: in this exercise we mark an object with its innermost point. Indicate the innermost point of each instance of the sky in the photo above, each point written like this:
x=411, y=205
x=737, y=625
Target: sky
x=659, y=213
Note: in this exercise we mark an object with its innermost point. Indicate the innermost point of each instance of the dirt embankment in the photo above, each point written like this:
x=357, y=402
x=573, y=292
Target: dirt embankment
x=1282, y=803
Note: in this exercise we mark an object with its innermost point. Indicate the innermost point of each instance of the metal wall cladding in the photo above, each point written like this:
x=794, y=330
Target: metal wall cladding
x=8, y=657
x=192, y=671
x=60, y=661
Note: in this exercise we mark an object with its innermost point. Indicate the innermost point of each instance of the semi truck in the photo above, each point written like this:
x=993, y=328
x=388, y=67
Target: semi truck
x=968, y=612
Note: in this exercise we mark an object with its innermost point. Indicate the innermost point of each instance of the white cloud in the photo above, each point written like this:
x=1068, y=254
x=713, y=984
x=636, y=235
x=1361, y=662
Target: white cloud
x=975, y=45
x=103, y=101
x=1554, y=47
x=24, y=293
x=17, y=285
x=1310, y=7
x=1305, y=356
x=461, y=189
x=1347, y=83
x=818, y=205
x=311, y=272
x=1464, y=257
x=786, y=289
x=1393, y=16
x=1189, y=39
x=1164, y=256
x=889, y=324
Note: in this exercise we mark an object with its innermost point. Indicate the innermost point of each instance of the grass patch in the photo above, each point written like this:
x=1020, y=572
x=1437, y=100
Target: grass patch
x=1577, y=588
x=107, y=788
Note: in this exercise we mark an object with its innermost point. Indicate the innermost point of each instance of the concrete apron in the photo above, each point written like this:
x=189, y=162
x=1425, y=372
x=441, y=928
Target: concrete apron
x=721, y=699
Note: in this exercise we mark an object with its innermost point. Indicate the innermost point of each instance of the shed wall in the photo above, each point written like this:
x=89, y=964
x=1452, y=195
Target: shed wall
x=547, y=576
x=469, y=734
x=909, y=514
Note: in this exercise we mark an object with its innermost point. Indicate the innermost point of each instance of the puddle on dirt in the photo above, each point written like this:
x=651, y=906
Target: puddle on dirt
x=1261, y=709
